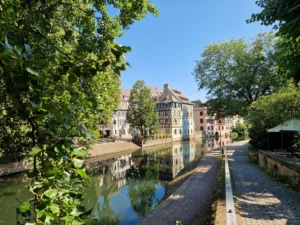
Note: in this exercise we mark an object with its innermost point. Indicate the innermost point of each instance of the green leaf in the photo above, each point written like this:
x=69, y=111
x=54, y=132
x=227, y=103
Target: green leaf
x=34, y=151
x=24, y=207
x=68, y=218
x=32, y=71
x=81, y=153
x=75, y=212
x=76, y=222
x=8, y=46
x=88, y=134
x=77, y=162
x=82, y=173
x=54, y=208
x=49, y=217
x=51, y=193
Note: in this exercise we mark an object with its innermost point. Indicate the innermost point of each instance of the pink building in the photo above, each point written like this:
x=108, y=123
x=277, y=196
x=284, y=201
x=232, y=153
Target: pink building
x=207, y=125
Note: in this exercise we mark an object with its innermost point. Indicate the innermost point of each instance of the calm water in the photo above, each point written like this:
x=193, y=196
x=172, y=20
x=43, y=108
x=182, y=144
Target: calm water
x=123, y=188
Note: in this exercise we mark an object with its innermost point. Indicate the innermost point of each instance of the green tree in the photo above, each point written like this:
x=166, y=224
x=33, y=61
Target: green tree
x=269, y=111
x=59, y=79
x=241, y=128
x=236, y=73
x=142, y=183
x=141, y=111
x=284, y=15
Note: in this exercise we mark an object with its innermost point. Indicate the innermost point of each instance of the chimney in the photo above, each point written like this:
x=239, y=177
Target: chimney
x=166, y=86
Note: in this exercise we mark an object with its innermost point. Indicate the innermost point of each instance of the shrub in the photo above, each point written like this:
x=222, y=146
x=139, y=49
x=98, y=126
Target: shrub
x=234, y=135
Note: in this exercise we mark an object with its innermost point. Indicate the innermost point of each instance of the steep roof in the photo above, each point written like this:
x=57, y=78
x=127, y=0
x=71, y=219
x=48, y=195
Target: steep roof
x=125, y=92
x=198, y=103
x=172, y=95
x=155, y=91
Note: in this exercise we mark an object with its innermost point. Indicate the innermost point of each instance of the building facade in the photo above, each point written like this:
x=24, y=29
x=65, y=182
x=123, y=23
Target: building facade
x=118, y=127
x=175, y=114
x=208, y=125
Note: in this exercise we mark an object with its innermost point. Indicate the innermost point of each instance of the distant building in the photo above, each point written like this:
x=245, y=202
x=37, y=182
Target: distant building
x=118, y=126
x=209, y=125
x=175, y=113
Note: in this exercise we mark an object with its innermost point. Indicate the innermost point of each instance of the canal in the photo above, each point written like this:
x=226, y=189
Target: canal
x=123, y=188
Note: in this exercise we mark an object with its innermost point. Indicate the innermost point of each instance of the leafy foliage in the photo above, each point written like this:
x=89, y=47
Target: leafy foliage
x=284, y=15
x=241, y=128
x=141, y=188
x=269, y=111
x=141, y=110
x=59, y=78
x=237, y=73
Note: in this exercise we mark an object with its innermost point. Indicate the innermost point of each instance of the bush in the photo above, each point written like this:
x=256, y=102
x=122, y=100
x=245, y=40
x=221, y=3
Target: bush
x=234, y=135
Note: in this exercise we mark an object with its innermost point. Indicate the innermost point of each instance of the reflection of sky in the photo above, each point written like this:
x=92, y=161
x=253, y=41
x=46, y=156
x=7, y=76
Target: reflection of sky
x=120, y=204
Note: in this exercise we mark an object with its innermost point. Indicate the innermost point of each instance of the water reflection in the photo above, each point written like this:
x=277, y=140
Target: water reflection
x=123, y=188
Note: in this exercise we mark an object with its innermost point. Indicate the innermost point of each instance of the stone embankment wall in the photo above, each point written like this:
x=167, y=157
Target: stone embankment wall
x=289, y=167
x=15, y=167
x=147, y=143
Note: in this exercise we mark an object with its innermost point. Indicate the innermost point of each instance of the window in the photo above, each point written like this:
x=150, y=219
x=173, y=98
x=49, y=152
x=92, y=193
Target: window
x=222, y=128
x=201, y=113
x=179, y=131
x=207, y=121
x=201, y=120
x=191, y=131
x=207, y=128
x=175, y=131
x=201, y=128
x=212, y=128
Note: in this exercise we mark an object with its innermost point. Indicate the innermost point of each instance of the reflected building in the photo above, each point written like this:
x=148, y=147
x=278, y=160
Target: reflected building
x=175, y=159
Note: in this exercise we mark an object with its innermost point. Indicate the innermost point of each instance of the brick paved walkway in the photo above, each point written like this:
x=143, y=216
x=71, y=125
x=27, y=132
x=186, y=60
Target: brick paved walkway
x=260, y=199
x=190, y=200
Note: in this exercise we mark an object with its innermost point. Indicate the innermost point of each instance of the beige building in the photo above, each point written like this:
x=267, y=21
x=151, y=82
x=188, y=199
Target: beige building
x=175, y=113
x=118, y=126
x=207, y=125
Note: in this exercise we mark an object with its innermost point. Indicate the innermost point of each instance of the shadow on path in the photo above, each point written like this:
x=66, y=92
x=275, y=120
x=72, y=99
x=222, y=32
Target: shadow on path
x=260, y=199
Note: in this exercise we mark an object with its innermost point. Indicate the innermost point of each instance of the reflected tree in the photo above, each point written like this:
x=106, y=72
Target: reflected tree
x=102, y=212
x=141, y=186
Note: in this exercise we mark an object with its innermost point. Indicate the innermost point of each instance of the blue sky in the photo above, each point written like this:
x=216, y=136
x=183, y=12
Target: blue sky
x=164, y=48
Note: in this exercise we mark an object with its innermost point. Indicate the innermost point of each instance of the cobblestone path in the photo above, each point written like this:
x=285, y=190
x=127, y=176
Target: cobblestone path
x=260, y=200
x=190, y=200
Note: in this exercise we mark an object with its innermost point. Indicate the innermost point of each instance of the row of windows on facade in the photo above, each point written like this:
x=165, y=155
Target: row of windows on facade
x=176, y=122
x=209, y=121
x=120, y=122
x=121, y=113
x=211, y=128
x=175, y=113
x=186, y=131
x=124, y=104
x=168, y=105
